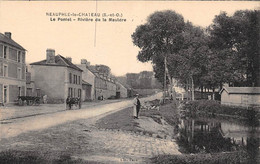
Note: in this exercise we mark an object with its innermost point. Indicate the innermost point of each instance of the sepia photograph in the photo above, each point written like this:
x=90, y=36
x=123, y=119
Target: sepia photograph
x=149, y=82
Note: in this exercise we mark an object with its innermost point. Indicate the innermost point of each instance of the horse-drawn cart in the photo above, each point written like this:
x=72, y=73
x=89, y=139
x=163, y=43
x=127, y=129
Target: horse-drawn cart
x=29, y=100
x=73, y=101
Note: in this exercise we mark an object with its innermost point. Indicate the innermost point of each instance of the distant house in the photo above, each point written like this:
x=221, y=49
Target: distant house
x=57, y=77
x=240, y=96
x=12, y=69
x=88, y=81
x=105, y=86
x=121, y=91
x=86, y=91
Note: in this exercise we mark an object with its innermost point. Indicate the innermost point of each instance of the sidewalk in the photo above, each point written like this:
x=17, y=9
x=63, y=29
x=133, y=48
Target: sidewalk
x=13, y=112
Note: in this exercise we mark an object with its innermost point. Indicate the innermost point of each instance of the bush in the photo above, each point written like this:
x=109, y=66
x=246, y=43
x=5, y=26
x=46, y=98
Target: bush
x=223, y=158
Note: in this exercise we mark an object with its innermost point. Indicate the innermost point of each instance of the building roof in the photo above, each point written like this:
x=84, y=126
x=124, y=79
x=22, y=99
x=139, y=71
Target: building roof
x=83, y=66
x=9, y=41
x=85, y=83
x=59, y=61
x=241, y=90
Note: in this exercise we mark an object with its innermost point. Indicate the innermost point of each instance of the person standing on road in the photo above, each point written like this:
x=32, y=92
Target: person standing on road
x=137, y=106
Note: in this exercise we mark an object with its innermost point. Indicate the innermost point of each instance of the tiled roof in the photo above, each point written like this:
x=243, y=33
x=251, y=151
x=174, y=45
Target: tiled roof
x=59, y=61
x=241, y=90
x=9, y=41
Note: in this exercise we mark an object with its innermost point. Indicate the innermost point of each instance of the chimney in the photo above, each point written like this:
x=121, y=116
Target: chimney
x=84, y=61
x=8, y=34
x=69, y=59
x=50, y=56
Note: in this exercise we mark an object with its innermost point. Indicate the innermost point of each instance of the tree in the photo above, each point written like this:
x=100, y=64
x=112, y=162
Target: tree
x=191, y=60
x=159, y=37
x=166, y=35
x=235, y=42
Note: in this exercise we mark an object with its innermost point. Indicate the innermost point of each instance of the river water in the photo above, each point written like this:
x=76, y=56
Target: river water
x=205, y=135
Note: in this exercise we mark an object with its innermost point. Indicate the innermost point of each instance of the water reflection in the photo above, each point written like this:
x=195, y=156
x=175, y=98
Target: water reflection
x=212, y=135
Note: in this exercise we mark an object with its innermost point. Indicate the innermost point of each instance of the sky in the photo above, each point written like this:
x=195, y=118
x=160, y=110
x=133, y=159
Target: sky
x=107, y=43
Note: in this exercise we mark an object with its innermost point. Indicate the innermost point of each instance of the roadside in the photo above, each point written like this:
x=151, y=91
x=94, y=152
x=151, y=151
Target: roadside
x=14, y=127
x=156, y=123
x=81, y=141
x=14, y=112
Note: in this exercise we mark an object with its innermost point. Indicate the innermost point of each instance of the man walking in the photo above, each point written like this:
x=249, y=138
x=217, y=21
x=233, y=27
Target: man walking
x=137, y=106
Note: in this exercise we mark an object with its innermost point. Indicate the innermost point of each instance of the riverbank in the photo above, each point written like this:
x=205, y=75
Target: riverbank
x=171, y=113
x=153, y=122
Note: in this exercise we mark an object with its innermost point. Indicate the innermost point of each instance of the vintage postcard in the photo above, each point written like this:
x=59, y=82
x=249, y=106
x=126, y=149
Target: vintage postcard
x=129, y=81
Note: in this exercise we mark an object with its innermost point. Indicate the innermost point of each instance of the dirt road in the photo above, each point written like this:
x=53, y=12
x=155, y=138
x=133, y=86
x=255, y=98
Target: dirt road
x=15, y=127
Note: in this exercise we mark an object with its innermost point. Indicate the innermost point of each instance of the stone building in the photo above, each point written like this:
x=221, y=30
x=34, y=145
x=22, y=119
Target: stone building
x=12, y=69
x=57, y=77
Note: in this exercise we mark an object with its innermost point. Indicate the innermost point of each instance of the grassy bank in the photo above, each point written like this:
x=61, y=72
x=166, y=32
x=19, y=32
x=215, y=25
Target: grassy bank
x=219, y=158
x=169, y=112
x=33, y=157
x=123, y=119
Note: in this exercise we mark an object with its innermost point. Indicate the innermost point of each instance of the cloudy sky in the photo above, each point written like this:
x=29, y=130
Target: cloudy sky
x=106, y=43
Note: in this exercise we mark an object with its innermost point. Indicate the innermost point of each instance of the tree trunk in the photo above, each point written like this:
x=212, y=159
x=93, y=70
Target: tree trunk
x=201, y=91
x=164, y=85
x=192, y=89
x=213, y=93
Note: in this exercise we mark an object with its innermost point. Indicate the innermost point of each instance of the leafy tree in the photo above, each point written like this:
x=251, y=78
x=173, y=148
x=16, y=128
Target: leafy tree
x=191, y=60
x=167, y=35
x=235, y=43
x=160, y=37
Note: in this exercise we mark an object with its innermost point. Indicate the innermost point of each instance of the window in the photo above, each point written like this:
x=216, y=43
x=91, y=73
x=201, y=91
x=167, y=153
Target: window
x=74, y=93
x=74, y=79
x=23, y=57
x=19, y=91
x=38, y=92
x=19, y=56
x=5, y=94
x=19, y=73
x=79, y=79
x=5, y=52
x=79, y=93
x=70, y=77
x=70, y=94
x=5, y=70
